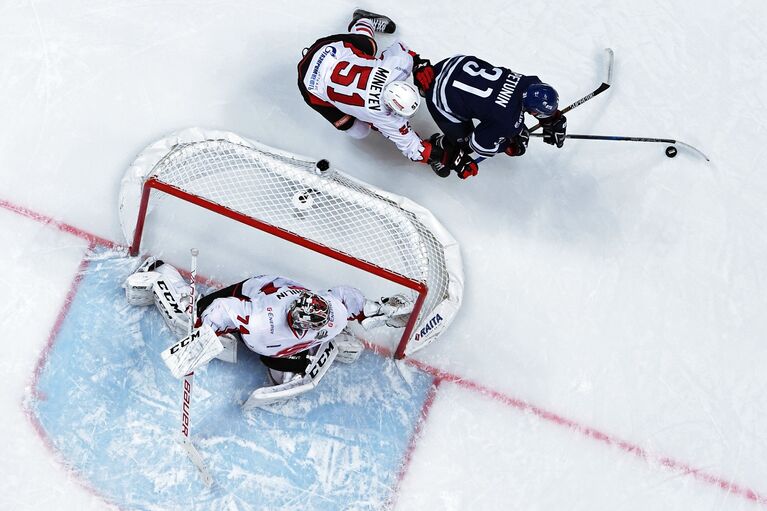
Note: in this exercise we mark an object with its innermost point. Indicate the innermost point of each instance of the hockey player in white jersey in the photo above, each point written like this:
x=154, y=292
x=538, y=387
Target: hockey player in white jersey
x=297, y=332
x=341, y=77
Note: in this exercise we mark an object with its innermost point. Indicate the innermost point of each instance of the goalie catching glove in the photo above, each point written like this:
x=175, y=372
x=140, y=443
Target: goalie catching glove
x=393, y=311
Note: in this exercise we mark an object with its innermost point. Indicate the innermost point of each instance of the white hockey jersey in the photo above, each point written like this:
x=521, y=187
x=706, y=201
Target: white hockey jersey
x=354, y=82
x=262, y=317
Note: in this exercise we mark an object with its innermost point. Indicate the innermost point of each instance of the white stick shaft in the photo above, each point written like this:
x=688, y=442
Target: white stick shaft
x=189, y=378
x=186, y=403
x=193, y=286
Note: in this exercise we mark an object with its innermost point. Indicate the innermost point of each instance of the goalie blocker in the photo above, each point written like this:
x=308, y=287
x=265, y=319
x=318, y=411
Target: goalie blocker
x=298, y=333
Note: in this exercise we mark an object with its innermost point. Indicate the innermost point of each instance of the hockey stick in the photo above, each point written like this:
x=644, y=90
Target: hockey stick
x=599, y=90
x=186, y=442
x=669, y=152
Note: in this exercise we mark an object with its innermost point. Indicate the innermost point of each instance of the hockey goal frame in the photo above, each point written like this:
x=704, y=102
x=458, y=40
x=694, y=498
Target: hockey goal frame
x=141, y=180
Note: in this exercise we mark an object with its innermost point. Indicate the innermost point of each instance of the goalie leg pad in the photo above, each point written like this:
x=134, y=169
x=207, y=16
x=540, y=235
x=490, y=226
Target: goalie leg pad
x=172, y=307
x=319, y=363
x=138, y=288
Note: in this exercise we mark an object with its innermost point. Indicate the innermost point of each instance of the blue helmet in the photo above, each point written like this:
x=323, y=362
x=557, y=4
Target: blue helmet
x=541, y=100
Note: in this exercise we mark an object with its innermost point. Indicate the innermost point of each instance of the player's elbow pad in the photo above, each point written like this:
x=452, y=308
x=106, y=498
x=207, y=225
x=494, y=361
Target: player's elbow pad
x=359, y=129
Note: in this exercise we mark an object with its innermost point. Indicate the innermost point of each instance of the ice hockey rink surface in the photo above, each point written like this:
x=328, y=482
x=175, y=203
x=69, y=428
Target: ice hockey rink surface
x=609, y=353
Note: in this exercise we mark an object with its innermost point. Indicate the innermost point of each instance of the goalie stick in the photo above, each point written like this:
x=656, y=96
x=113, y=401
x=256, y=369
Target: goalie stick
x=185, y=440
x=599, y=90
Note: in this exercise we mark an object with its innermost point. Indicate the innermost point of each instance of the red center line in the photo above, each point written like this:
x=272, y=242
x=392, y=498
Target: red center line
x=439, y=376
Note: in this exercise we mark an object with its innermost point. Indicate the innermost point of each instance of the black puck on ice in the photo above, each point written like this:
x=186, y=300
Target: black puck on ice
x=671, y=151
x=323, y=165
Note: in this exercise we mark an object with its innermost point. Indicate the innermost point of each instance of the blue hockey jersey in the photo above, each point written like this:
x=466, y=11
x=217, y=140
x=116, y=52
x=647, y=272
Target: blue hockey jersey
x=467, y=89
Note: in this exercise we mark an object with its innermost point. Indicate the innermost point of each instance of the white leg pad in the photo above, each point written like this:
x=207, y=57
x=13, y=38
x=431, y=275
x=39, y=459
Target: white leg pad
x=172, y=307
x=138, y=288
x=317, y=368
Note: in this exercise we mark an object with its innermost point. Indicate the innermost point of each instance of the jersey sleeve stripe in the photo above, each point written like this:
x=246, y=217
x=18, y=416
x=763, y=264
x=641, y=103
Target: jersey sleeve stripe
x=482, y=151
x=441, y=84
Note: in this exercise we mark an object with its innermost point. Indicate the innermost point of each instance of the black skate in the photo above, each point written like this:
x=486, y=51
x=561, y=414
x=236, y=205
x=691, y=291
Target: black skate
x=380, y=22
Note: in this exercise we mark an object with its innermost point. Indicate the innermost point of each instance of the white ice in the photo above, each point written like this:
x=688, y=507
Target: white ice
x=606, y=284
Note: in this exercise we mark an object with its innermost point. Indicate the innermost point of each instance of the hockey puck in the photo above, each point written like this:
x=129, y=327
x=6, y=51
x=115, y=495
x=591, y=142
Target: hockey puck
x=303, y=200
x=671, y=151
x=323, y=165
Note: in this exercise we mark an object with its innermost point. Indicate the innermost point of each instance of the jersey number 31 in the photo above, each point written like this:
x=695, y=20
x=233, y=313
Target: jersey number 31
x=471, y=68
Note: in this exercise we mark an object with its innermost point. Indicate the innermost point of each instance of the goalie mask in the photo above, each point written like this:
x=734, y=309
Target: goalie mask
x=308, y=312
x=401, y=97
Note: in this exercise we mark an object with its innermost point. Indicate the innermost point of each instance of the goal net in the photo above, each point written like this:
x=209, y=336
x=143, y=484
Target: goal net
x=330, y=213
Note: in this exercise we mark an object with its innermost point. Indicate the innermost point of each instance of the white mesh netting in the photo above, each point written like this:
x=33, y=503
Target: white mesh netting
x=331, y=209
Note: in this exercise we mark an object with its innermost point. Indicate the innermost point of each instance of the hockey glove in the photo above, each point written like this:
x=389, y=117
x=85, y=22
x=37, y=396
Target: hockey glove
x=437, y=158
x=464, y=165
x=554, y=129
x=423, y=74
x=518, y=144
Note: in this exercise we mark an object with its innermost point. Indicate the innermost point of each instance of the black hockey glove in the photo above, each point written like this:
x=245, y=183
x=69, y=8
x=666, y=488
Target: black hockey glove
x=554, y=129
x=438, y=155
x=518, y=144
x=463, y=164
x=446, y=157
x=423, y=74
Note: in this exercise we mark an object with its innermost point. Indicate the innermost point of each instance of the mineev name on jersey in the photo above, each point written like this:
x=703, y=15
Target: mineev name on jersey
x=376, y=88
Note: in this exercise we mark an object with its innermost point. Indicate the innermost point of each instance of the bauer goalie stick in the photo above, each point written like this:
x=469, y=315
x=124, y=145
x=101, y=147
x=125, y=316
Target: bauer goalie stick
x=616, y=138
x=599, y=90
x=186, y=402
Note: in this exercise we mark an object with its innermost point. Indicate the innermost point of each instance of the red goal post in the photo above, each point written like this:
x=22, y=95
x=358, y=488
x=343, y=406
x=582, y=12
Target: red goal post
x=328, y=212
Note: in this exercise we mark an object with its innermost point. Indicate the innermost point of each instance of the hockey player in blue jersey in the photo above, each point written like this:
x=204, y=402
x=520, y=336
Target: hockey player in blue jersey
x=464, y=88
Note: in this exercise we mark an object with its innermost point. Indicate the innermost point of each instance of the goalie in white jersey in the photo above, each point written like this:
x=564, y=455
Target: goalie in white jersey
x=297, y=332
x=341, y=78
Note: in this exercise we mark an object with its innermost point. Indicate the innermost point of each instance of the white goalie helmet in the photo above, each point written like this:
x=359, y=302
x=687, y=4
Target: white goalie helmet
x=309, y=312
x=402, y=97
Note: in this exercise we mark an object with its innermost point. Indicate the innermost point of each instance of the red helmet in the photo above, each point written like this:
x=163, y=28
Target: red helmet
x=308, y=312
